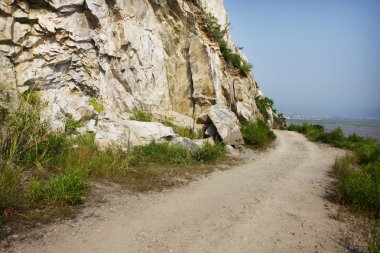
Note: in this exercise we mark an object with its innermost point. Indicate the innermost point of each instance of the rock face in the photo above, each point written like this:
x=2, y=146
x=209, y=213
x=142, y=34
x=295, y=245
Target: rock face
x=148, y=54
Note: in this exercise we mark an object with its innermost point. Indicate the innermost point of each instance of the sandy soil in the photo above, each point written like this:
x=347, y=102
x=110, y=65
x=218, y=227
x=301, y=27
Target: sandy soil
x=276, y=202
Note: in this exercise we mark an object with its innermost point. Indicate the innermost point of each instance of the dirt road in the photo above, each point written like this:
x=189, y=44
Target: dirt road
x=274, y=203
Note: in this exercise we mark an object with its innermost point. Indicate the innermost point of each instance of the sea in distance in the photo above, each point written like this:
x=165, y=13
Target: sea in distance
x=362, y=127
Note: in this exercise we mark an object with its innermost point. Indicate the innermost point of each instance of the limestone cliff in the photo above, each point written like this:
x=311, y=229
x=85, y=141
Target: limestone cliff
x=152, y=55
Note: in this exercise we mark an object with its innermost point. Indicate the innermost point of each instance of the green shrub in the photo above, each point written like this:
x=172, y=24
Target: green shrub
x=47, y=152
x=32, y=97
x=160, y=154
x=98, y=106
x=358, y=174
x=368, y=152
x=210, y=153
x=357, y=188
x=20, y=133
x=187, y=132
x=374, y=247
x=84, y=156
x=343, y=164
x=257, y=134
x=142, y=116
x=355, y=138
x=71, y=124
x=334, y=137
x=3, y=113
x=317, y=133
x=63, y=189
x=263, y=104
x=11, y=196
x=280, y=121
x=373, y=170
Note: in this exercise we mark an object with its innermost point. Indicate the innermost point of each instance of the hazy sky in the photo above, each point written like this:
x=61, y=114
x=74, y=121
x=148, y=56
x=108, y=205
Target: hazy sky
x=315, y=57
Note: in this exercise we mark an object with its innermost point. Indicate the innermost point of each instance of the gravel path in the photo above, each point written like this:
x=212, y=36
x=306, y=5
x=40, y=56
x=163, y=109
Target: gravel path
x=274, y=203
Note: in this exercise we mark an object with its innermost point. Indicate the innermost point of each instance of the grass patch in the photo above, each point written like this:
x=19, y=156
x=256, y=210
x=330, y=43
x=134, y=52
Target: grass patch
x=209, y=153
x=139, y=115
x=188, y=132
x=159, y=154
x=60, y=190
x=98, y=106
x=11, y=197
x=257, y=134
x=71, y=124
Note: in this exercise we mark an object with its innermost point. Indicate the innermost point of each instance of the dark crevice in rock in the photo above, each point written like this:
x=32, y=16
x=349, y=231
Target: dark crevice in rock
x=233, y=98
x=64, y=12
x=26, y=20
x=40, y=5
x=7, y=42
x=112, y=6
x=125, y=84
x=93, y=20
x=4, y=14
x=190, y=74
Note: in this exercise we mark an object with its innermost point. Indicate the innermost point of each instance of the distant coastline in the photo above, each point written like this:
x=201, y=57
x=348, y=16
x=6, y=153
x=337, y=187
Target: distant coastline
x=362, y=127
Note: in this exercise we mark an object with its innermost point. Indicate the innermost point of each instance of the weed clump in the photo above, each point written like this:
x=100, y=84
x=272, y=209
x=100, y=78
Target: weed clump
x=139, y=115
x=159, y=154
x=209, y=153
x=98, y=106
x=71, y=124
x=32, y=154
x=11, y=197
x=257, y=134
x=187, y=132
x=63, y=189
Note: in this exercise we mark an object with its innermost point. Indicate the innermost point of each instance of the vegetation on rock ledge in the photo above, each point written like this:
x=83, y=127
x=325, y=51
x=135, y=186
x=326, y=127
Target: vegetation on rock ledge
x=217, y=33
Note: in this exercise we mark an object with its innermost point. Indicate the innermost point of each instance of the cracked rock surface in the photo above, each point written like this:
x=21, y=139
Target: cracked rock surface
x=147, y=54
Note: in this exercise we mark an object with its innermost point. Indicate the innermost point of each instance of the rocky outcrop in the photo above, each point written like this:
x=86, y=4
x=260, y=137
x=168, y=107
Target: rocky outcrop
x=147, y=54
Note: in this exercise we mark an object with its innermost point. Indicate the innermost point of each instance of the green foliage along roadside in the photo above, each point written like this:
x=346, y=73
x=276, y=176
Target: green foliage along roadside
x=46, y=170
x=257, y=134
x=358, y=173
x=209, y=153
